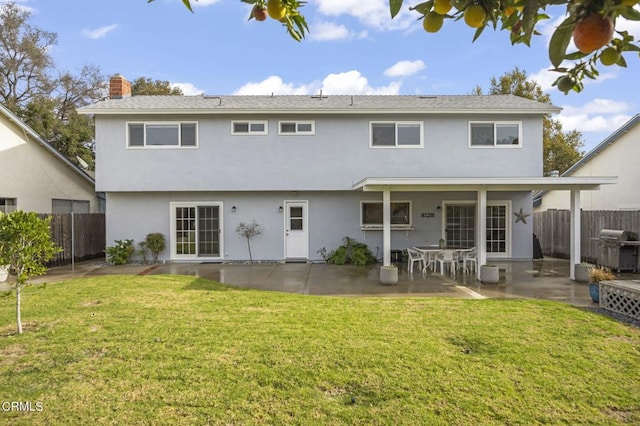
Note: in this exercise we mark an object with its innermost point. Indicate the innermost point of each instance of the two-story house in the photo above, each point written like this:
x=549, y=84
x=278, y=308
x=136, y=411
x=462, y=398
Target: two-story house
x=390, y=171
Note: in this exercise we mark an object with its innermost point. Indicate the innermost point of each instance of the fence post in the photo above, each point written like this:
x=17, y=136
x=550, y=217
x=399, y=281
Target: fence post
x=73, y=243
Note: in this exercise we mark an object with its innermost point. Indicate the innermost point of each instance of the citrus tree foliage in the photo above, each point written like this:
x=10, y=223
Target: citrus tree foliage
x=25, y=245
x=147, y=86
x=592, y=24
x=560, y=149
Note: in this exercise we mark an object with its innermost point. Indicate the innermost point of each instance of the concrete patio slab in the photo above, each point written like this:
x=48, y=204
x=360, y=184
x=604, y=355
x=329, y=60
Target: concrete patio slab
x=546, y=279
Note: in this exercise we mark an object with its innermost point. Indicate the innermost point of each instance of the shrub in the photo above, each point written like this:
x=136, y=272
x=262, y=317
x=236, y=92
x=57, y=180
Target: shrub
x=120, y=253
x=155, y=243
x=351, y=252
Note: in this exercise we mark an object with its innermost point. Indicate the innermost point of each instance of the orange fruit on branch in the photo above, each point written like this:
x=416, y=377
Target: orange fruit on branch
x=259, y=13
x=276, y=9
x=609, y=56
x=475, y=15
x=442, y=7
x=432, y=22
x=593, y=32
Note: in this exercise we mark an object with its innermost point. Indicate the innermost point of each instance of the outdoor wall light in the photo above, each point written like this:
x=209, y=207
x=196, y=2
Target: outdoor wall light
x=438, y=207
x=280, y=209
x=233, y=209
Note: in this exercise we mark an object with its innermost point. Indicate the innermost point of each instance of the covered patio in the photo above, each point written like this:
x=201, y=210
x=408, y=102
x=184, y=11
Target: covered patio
x=482, y=186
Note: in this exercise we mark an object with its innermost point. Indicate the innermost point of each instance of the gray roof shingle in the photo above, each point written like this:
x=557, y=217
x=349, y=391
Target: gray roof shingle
x=326, y=104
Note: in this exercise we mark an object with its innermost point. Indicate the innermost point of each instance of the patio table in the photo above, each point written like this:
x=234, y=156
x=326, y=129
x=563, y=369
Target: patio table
x=429, y=254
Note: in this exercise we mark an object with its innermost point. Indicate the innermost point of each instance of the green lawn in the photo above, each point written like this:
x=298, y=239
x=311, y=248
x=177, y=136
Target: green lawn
x=175, y=349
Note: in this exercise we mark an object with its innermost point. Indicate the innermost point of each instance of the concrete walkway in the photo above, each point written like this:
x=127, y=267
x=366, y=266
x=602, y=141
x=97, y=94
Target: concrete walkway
x=541, y=279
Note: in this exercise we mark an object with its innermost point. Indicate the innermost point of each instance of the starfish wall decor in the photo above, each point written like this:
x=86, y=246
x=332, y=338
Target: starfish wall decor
x=521, y=216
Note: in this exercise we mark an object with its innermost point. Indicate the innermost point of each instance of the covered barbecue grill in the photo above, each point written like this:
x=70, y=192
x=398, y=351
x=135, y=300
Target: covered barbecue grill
x=618, y=249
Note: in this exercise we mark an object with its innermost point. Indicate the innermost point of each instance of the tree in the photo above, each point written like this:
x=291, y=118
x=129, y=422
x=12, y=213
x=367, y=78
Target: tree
x=248, y=231
x=24, y=58
x=590, y=23
x=147, y=86
x=560, y=150
x=43, y=97
x=25, y=245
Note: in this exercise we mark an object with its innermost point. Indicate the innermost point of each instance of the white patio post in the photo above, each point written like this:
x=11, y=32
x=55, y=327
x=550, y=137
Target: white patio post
x=574, y=243
x=386, y=226
x=481, y=233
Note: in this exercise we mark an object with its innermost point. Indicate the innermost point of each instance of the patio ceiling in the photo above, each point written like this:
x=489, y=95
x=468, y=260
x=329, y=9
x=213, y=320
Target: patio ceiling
x=587, y=183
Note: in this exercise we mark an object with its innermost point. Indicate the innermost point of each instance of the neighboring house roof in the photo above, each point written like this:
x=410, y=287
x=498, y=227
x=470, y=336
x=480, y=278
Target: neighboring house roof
x=537, y=199
x=46, y=145
x=373, y=104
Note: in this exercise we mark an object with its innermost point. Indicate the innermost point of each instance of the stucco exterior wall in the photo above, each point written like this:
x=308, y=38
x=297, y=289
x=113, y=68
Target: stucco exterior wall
x=34, y=176
x=332, y=215
x=334, y=158
x=620, y=159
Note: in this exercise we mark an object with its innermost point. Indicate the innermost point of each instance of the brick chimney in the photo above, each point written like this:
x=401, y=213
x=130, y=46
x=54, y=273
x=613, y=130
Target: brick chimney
x=119, y=87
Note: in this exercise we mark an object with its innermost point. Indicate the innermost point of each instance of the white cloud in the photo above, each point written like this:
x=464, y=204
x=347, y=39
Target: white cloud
x=324, y=31
x=188, y=89
x=204, y=2
x=99, y=32
x=598, y=115
x=345, y=83
x=275, y=85
x=404, y=68
x=354, y=83
x=373, y=13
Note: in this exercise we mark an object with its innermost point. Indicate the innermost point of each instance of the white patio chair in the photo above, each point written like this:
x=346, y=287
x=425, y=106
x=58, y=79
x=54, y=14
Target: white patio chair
x=449, y=258
x=414, y=256
x=470, y=260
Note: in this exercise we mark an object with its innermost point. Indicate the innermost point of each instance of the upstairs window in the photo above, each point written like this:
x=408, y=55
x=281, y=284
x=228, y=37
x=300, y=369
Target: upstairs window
x=249, y=128
x=297, y=127
x=402, y=134
x=495, y=134
x=162, y=135
x=7, y=205
x=371, y=214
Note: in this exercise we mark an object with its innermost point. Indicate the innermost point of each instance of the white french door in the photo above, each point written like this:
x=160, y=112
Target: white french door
x=460, y=226
x=196, y=230
x=296, y=233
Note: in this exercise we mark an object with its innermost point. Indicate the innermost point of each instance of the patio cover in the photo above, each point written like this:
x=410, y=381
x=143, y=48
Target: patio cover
x=482, y=185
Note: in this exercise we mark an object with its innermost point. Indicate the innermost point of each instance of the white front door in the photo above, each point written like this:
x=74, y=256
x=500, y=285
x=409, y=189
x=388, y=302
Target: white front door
x=296, y=239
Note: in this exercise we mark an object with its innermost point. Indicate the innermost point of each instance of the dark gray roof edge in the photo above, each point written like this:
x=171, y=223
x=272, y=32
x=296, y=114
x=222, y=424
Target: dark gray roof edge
x=537, y=198
x=46, y=145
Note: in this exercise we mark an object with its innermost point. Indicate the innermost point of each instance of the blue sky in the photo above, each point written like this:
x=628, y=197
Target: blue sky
x=353, y=48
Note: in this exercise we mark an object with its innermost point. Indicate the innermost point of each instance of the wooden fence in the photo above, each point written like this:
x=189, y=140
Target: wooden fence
x=88, y=236
x=552, y=229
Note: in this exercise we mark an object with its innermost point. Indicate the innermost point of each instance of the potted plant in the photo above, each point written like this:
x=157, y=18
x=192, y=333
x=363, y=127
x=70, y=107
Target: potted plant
x=389, y=274
x=597, y=274
x=582, y=272
x=489, y=274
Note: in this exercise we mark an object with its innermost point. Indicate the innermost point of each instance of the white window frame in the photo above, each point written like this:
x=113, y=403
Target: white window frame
x=249, y=131
x=396, y=226
x=297, y=123
x=492, y=203
x=396, y=146
x=8, y=208
x=172, y=217
x=495, y=144
x=161, y=123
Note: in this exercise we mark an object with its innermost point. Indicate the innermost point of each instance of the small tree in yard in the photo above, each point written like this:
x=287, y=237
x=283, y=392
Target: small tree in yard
x=249, y=231
x=155, y=243
x=25, y=245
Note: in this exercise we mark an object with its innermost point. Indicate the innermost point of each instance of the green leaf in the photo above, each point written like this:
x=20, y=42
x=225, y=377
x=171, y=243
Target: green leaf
x=187, y=4
x=394, y=7
x=478, y=32
x=560, y=41
x=423, y=8
x=622, y=62
x=575, y=56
